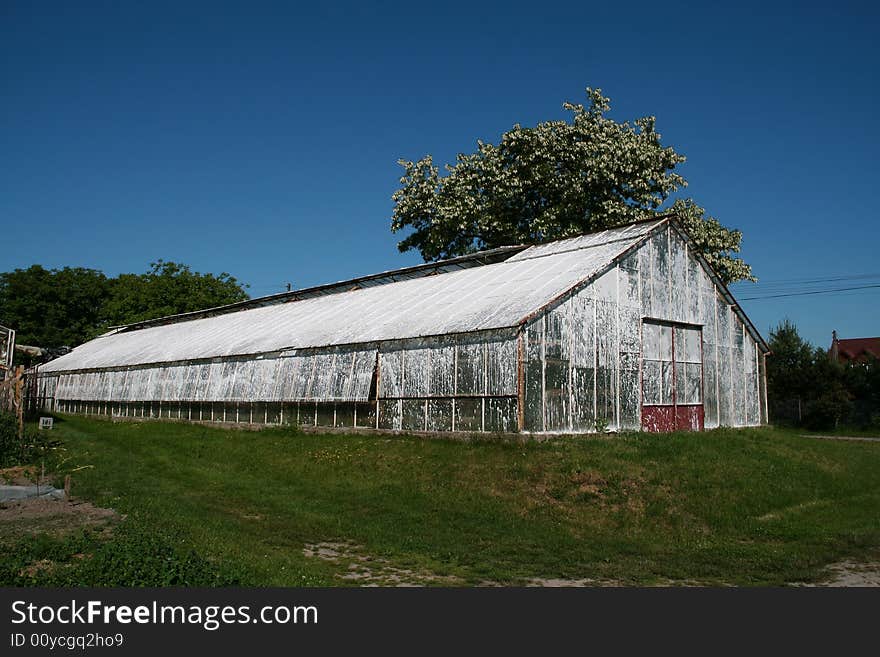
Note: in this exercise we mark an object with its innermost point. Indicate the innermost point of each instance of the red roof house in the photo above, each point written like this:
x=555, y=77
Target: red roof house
x=851, y=350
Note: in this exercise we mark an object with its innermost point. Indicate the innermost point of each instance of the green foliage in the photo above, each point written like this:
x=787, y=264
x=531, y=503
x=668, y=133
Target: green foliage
x=555, y=180
x=132, y=555
x=830, y=394
x=753, y=506
x=53, y=308
x=35, y=447
x=10, y=445
x=168, y=288
x=789, y=366
x=828, y=410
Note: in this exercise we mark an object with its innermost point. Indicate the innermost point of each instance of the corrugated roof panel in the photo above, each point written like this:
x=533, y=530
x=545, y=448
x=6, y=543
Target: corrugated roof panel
x=493, y=296
x=602, y=237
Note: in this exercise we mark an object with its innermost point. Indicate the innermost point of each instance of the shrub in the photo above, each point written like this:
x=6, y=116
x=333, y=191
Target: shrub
x=35, y=446
x=10, y=447
x=827, y=411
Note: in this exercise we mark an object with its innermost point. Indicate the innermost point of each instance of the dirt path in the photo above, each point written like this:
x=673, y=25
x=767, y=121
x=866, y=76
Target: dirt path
x=849, y=573
x=369, y=570
x=50, y=516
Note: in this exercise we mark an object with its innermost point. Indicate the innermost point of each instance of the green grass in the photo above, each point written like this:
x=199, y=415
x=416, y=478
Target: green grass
x=860, y=432
x=749, y=507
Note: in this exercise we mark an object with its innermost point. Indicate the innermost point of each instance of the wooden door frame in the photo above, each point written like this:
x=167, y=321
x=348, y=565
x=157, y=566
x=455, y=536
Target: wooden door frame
x=673, y=408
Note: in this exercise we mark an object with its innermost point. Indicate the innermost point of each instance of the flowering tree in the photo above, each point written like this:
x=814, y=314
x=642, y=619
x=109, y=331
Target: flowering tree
x=556, y=180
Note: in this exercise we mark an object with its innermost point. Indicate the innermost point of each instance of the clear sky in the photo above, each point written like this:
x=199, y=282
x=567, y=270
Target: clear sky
x=261, y=139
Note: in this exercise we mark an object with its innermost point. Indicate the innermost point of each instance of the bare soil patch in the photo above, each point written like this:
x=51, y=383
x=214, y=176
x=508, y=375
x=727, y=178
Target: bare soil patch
x=19, y=475
x=559, y=582
x=849, y=573
x=47, y=516
x=369, y=570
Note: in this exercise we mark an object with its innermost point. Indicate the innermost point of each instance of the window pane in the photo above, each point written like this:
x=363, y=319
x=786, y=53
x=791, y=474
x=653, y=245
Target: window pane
x=687, y=345
x=651, y=382
x=665, y=343
x=666, y=383
x=651, y=341
x=688, y=383
x=694, y=383
x=471, y=365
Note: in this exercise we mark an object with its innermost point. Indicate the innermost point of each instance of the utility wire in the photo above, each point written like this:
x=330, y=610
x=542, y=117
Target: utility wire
x=840, y=277
x=800, y=294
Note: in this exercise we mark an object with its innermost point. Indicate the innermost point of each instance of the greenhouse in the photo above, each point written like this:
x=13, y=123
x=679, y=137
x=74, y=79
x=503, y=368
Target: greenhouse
x=623, y=329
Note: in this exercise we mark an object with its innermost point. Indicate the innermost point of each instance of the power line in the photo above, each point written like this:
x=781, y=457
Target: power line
x=800, y=294
x=832, y=278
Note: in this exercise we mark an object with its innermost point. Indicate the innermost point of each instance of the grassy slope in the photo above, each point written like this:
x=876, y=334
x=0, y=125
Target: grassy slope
x=754, y=506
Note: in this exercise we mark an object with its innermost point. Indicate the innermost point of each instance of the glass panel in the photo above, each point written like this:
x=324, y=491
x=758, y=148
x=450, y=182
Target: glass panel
x=711, y=402
x=534, y=371
x=416, y=372
x=366, y=415
x=324, y=414
x=501, y=414
x=665, y=383
x=630, y=398
x=289, y=410
x=389, y=376
x=413, y=418
x=307, y=412
x=582, y=398
x=442, y=374
x=273, y=413
x=340, y=378
x=556, y=389
x=501, y=371
x=651, y=341
x=389, y=414
x=440, y=415
x=555, y=334
x=652, y=382
x=665, y=343
x=681, y=383
x=694, y=387
x=687, y=345
x=468, y=414
x=469, y=378
x=258, y=412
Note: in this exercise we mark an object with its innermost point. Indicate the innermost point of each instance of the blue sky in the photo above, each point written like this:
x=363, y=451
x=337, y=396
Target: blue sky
x=261, y=138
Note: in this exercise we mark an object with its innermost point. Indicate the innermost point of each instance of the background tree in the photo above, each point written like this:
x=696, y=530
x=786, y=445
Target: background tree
x=831, y=402
x=168, y=288
x=53, y=307
x=789, y=368
x=555, y=180
x=806, y=386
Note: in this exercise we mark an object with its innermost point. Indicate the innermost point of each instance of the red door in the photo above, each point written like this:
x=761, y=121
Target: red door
x=672, y=377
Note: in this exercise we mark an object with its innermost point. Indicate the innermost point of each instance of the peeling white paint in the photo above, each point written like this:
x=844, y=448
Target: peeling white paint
x=440, y=353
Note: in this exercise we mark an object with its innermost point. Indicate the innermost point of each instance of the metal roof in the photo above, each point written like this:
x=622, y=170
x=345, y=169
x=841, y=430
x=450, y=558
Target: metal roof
x=479, y=259
x=492, y=296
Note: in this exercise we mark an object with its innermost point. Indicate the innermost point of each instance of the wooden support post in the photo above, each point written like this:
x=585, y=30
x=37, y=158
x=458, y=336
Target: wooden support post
x=520, y=380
